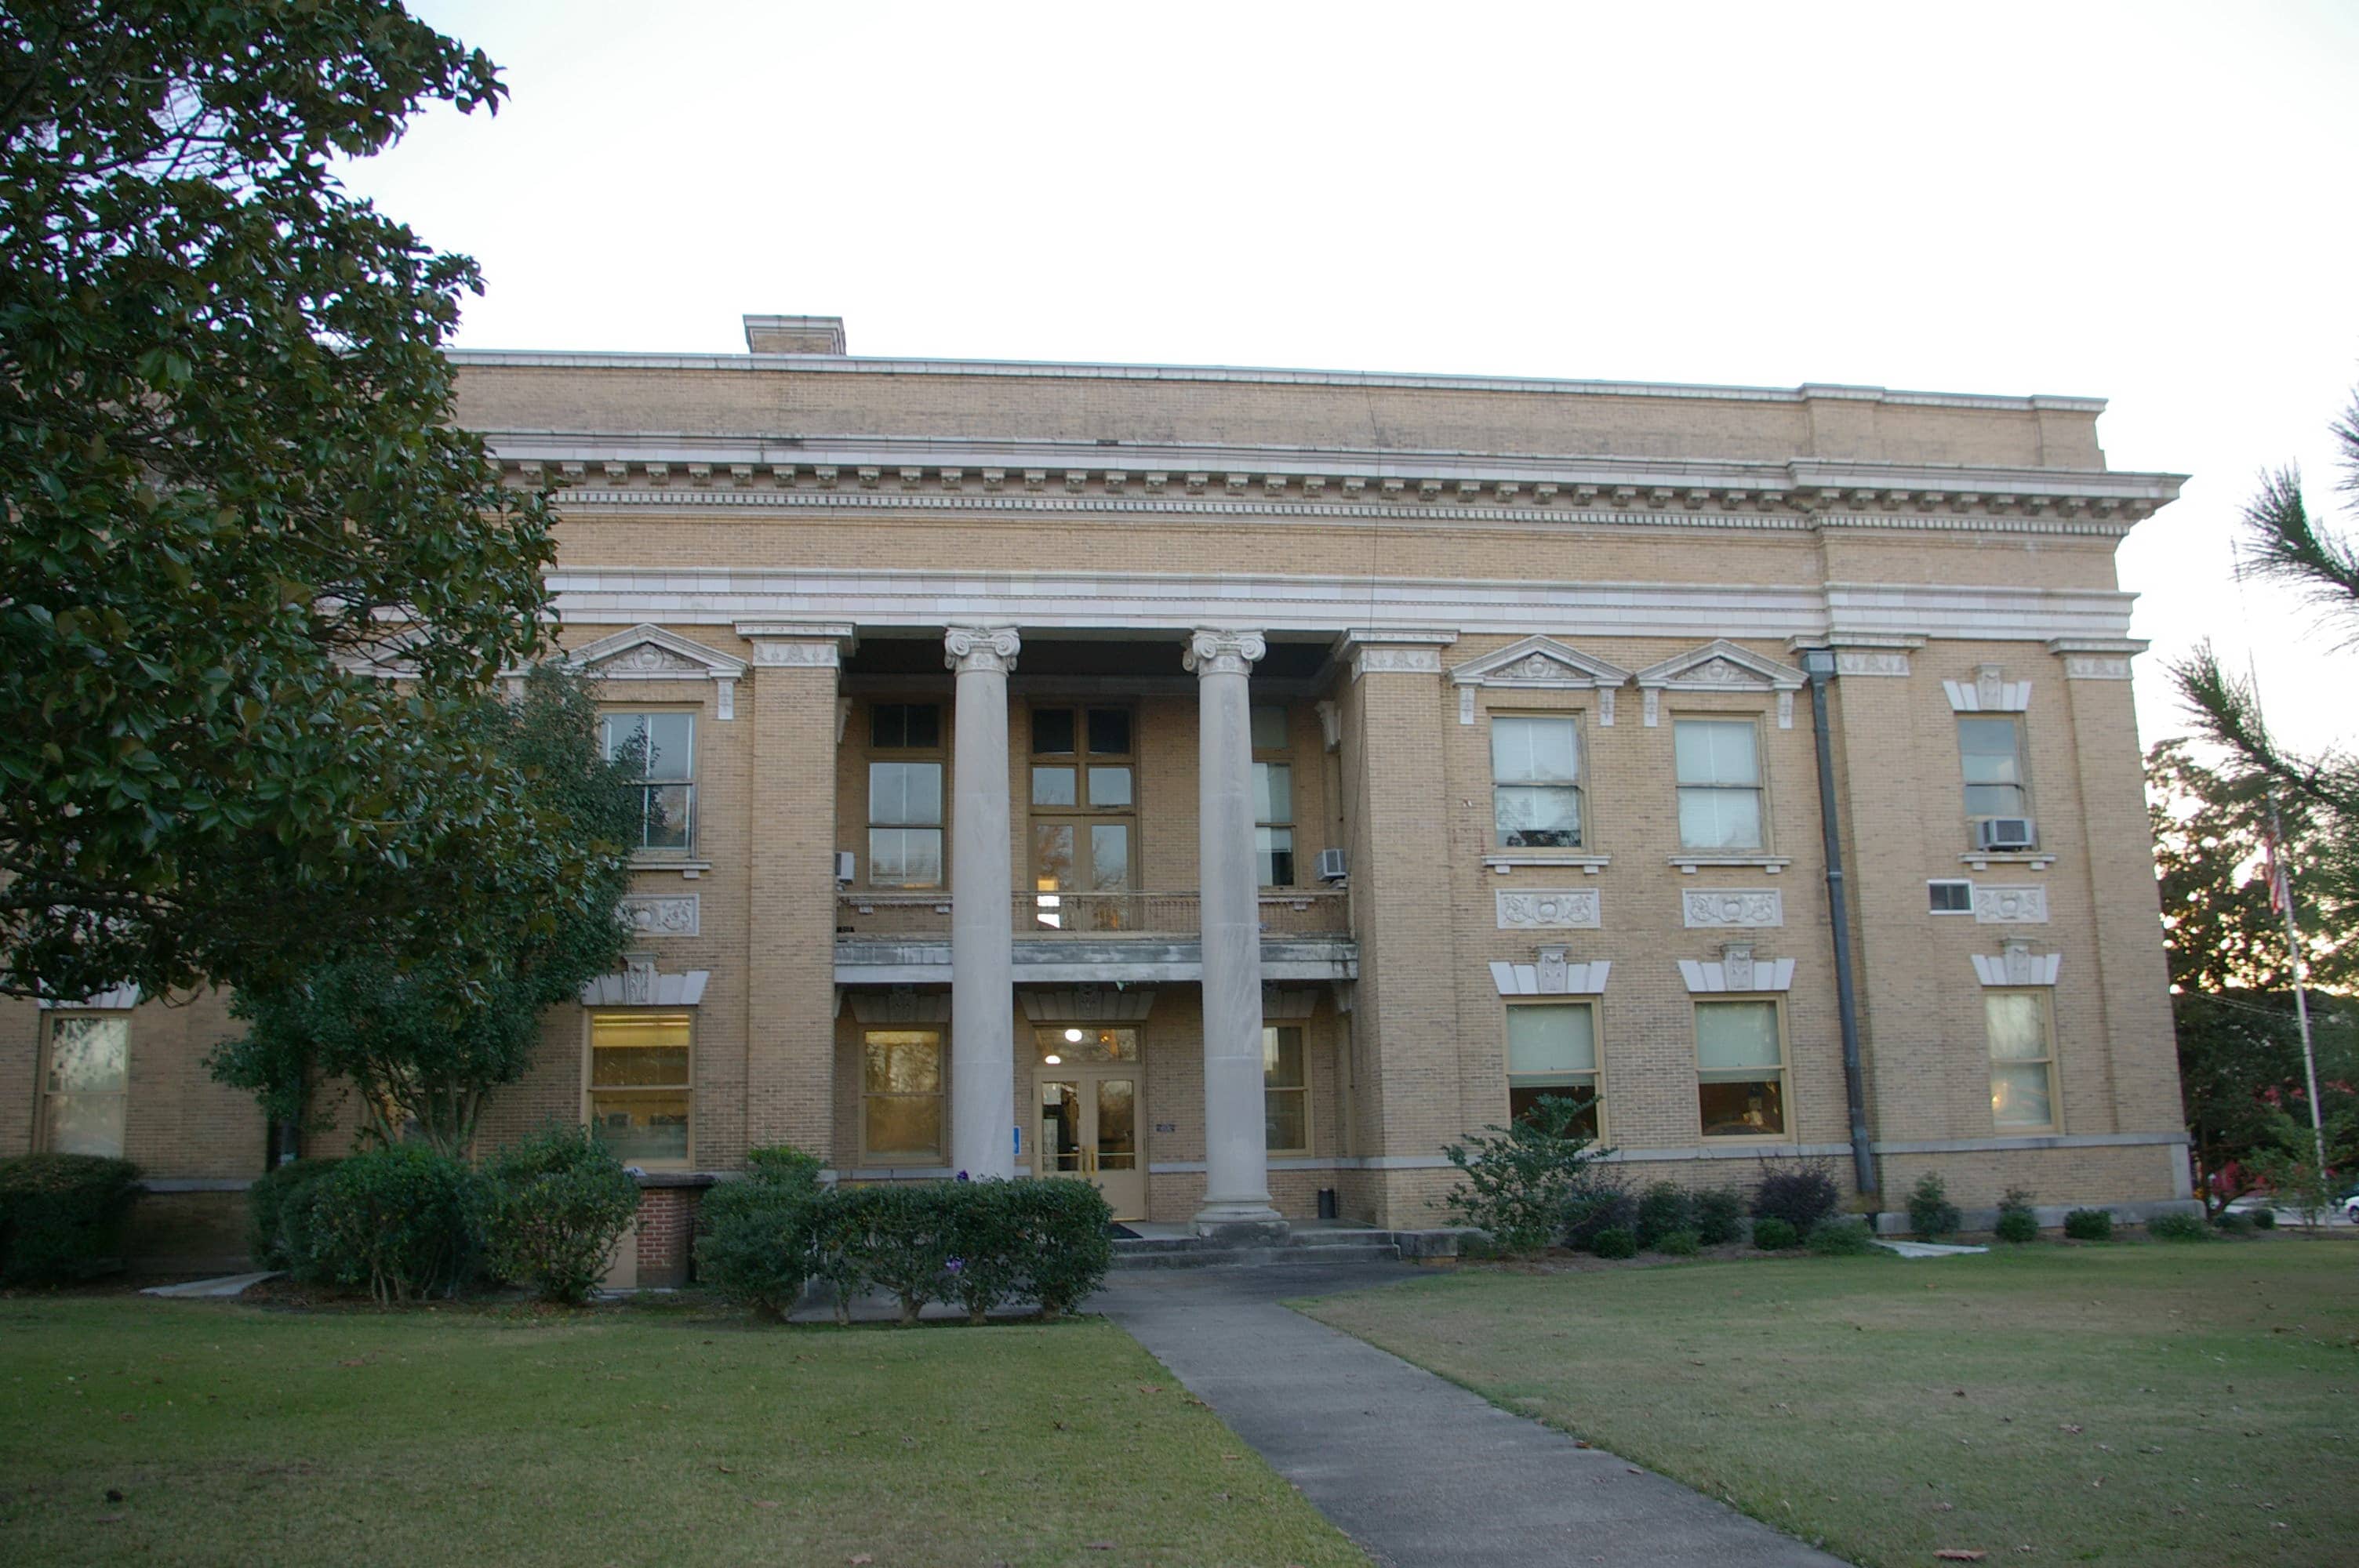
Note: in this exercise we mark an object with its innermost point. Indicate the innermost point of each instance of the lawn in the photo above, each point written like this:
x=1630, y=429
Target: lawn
x=2131, y=1403
x=198, y=1432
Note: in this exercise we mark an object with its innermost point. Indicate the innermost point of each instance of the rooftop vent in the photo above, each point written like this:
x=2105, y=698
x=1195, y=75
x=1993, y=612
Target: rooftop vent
x=794, y=334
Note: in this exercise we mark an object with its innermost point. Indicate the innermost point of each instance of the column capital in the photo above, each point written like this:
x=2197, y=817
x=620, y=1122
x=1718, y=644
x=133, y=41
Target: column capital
x=1220, y=651
x=991, y=649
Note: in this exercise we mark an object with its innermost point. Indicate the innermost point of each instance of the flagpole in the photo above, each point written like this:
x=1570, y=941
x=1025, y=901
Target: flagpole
x=2282, y=888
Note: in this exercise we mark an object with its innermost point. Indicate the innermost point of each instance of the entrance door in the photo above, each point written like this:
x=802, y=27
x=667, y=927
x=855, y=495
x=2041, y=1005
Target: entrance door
x=1089, y=1116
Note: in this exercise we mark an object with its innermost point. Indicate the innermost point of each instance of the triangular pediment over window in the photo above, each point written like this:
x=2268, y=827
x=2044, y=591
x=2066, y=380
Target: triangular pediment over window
x=651, y=652
x=1720, y=666
x=1539, y=662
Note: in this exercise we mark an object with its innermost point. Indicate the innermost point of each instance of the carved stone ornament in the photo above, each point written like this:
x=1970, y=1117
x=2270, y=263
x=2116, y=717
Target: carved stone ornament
x=2095, y=666
x=652, y=915
x=648, y=651
x=1989, y=692
x=990, y=649
x=1871, y=662
x=1736, y=966
x=1746, y=907
x=2016, y=964
x=1541, y=909
x=1214, y=652
x=1398, y=660
x=1720, y=666
x=639, y=979
x=1996, y=905
x=781, y=655
x=648, y=659
x=1551, y=968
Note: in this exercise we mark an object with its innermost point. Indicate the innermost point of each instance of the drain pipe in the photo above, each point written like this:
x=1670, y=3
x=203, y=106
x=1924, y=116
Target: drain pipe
x=1819, y=664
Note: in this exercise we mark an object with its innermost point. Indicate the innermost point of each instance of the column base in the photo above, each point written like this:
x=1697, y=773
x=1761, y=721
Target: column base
x=1241, y=1224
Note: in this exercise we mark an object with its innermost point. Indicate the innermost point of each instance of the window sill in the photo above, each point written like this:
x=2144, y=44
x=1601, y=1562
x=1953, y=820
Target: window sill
x=1772, y=864
x=689, y=868
x=1507, y=859
x=1983, y=860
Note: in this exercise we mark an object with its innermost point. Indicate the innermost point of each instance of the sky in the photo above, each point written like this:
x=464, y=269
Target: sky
x=2143, y=202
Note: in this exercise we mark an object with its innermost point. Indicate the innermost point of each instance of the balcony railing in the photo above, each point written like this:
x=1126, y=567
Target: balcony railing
x=1292, y=913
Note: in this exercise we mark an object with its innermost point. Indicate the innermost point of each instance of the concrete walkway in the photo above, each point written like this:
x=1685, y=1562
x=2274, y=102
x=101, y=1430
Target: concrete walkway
x=1414, y=1468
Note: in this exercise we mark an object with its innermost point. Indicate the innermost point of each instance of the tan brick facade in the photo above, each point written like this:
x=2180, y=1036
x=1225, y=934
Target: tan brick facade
x=793, y=533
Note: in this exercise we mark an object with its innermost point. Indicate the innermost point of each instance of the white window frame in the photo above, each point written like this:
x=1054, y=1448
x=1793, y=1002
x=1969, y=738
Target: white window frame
x=1595, y=1089
x=50, y=1096
x=1759, y=789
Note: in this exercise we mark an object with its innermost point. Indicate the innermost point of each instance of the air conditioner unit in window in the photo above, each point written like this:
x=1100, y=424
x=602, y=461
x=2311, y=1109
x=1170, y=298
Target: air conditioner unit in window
x=846, y=870
x=1332, y=866
x=2003, y=833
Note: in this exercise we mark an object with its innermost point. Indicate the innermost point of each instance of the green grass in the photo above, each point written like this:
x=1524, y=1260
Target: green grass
x=2127, y=1404
x=245, y=1435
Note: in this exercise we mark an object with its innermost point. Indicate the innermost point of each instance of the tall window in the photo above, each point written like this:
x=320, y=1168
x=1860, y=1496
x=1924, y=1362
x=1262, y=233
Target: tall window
x=640, y=1091
x=1536, y=782
x=1272, y=785
x=1740, y=1069
x=85, y=1084
x=901, y=1097
x=2023, y=1059
x=1719, y=763
x=1552, y=1049
x=666, y=746
x=1285, y=1091
x=1084, y=808
x=905, y=795
x=1991, y=748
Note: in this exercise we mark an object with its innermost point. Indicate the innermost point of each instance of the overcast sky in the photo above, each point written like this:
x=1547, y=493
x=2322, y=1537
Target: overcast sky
x=2145, y=202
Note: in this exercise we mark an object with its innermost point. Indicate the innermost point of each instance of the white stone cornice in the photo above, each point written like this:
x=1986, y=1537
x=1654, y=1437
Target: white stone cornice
x=991, y=648
x=1216, y=650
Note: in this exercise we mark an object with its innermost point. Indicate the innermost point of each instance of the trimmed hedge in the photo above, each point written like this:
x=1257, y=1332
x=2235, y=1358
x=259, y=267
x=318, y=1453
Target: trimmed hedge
x=1664, y=1209
x=2089, y=1225
x=276, y=1233
x=1842, y=1239
x=1774, y=1235
x=2017, y=1222
x=1719, y=1215
x=62, y=1216
x=558, y=1202
x=1615, y=1242
x=2178, y=1227
x=404, y=1222
x=1799, y=1192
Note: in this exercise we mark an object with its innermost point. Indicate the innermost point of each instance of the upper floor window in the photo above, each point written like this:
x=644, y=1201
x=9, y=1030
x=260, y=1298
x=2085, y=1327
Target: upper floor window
x=1719, y=763
x=85, y=1082
x=1273, y=787
x=640, y=1091
x=1084, y=798
x=1536, y=782
x=1990, y=746
x=905, y=795
x=666, y=787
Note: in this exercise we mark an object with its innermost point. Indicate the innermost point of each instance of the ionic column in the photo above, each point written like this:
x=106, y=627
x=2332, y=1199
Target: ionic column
x=982, y=1030
x=1236, y=1161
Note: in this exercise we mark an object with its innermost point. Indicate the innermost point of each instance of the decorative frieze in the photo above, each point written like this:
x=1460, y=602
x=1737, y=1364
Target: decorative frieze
x=1716, y=907
x=1396, y=661
x=2019, y=905
x=1537, y=909
x=655, y=914
x=1871, y=662
x=2096, y=666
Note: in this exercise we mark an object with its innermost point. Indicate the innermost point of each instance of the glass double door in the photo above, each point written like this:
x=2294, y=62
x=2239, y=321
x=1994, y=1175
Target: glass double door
x=1090, y=1117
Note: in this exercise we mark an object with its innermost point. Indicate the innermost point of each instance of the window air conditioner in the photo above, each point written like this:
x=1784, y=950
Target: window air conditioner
x=2003, y=833
x=844, y=868
x=1331, y=866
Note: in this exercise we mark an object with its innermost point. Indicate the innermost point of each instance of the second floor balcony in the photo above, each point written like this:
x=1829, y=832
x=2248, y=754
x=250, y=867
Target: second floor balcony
x=903, y=937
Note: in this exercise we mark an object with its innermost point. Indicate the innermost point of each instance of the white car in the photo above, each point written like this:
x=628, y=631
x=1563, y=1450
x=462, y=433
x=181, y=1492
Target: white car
x=2351, y=1208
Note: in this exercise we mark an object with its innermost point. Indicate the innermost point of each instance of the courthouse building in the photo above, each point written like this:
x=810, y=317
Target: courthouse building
x=1230, y=787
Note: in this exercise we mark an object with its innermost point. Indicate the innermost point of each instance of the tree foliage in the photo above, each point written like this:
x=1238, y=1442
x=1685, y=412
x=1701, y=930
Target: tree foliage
x=421, y=1043
x=229, y=479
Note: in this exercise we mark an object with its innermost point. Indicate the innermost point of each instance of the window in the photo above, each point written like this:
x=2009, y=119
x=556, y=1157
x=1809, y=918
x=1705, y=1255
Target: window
x=1719, y=764
x=1285, y=1091
x=1273, y=787
x=1083, y=814
x=1951, y=897
x=1536, y=782
x=2023, y=1060
x=1552, y=1049
x=1991, y=749
x=904, y=795
x=85, y=1084
x=639, y=1085
x=1740, y=1069
x=666, y=746
x=901, y=1095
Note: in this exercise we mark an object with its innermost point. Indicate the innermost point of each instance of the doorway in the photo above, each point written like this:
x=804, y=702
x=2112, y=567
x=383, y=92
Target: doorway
x=1091, y=1123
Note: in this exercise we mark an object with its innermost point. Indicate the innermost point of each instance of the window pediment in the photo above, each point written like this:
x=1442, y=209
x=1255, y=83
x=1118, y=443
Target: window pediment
x=651, y=652
x=1539, y=664
x=1720, y=666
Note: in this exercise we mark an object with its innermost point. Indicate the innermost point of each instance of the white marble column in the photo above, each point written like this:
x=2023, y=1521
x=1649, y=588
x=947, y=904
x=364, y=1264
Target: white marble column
x=1236, y=1161
x=982, y=995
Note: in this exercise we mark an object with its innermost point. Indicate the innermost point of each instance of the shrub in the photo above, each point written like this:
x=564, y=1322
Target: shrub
x=1663, y=1208
x=2228, y=1222
x=2265, y=1219
x=559, y=1200
x=754, y=1243
x=907, y=1232
x=1931, y=1215
x=402, y=1221
x=273, y=1203
x=1718, y=1211
x=1065, y=1246
x=1678, y=1243
x=2177, y=1227
x=2017, y=1222
x=837, y=1230
x=1615, y=1242
x=987, y=1246
x=2089, y=1225
x=1841, y=1239
x=1799, y=1192
x=1774, y=1235
x=1520, y=1177
x=784, y=1164
x=1597, y=1204
x=61, y=1216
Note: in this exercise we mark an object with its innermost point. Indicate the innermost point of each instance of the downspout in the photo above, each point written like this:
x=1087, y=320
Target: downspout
x=1819, y=664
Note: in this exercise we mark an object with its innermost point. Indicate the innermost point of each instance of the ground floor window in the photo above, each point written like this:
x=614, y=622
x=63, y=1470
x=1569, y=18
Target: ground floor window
x=641, y=1090
x=2023, y=1060
x=85, y=1084
x=1285, y=1091
x=1741, y=1068
x=901, y=1097
x=1552, y=1049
